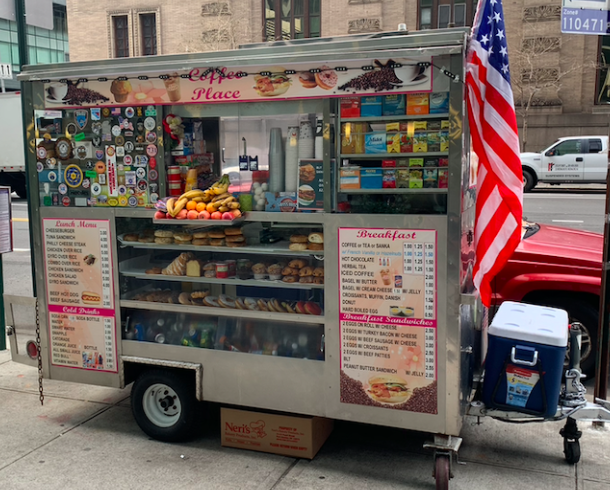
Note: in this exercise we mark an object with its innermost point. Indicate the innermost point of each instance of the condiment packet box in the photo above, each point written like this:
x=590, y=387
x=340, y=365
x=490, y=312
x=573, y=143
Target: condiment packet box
x=402, y=178
x=416, y=180
x=445, y=124
x=442, y=178
x=444, y=140
x=434, y=141
x=388, y=163
x=349, y=178
x=420, y=125
x=420, y=142
x=406, y=143
x=371, y=178
x=439, y=103
x=430, y=177
x=393, y=142
x=416, y=162
x=350, y=107
x=394, y=105
x=403, y=162
x=434, y=125
x=371, y=106
x=431, y=162
x=394, y=126
x=418, y=103
x=389, y=178
x=375, y=143
x=280, y=202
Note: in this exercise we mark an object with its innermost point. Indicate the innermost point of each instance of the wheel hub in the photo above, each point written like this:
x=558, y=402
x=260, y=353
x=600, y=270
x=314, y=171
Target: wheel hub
x=161, y=405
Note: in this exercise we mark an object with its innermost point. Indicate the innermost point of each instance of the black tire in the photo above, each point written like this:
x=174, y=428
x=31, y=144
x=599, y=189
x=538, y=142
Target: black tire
x=158, y=394
x=21, y=191
x=571, y=450
x=441, y=472
x=528, y=181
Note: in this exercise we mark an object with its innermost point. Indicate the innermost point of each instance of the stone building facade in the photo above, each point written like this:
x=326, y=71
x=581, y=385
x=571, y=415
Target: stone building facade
x=558, y=80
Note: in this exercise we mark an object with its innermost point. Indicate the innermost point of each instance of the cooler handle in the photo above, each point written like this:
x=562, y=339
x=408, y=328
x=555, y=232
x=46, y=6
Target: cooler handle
x=515, y=360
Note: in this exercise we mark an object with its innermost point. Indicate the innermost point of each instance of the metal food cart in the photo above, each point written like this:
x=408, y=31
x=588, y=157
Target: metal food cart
x=390, y=333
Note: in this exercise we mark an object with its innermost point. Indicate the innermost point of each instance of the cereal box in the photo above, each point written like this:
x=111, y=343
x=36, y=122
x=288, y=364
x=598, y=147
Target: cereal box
x=418, y=104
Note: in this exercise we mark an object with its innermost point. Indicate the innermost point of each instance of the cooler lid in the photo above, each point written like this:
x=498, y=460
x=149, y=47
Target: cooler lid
x=531, y=323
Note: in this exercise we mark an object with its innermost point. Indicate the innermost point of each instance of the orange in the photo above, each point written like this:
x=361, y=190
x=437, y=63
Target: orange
x=191, y=206
x=201, y=206
x=210, y=208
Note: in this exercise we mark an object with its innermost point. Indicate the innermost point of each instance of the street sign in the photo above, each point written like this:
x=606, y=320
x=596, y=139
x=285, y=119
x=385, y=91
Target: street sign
x=6, y=72
x=585, y=17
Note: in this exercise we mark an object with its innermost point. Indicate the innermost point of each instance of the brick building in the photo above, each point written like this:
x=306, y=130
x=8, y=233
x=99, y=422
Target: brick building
x=559, y=80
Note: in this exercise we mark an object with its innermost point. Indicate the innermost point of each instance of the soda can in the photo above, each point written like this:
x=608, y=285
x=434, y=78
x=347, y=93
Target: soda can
x=140, y=332
x=160, y=338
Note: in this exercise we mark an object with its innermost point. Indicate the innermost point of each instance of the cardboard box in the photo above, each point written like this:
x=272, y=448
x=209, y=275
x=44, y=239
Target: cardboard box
x=352, y=137
x=350, y=107
x=287, y=435
x=349, y=178
x=371, y=106
x=371, y=178
x=375, y=143
x=418, y=104
x=393, y=142
x=439, y=103
x=394, y=105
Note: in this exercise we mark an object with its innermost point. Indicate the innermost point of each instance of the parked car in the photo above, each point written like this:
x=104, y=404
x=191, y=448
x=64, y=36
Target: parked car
x=559, y=267
x=582, y=159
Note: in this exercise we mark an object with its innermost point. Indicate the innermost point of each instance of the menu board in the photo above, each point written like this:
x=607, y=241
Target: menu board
x=80, y=294
x=387, y=297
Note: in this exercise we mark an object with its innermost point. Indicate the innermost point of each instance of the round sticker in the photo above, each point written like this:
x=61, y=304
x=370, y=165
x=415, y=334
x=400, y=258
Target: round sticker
x=122, y=201
x=120, y=140
x=154, y=197
x=97, y=141
x=106, y=112
x=96, y=127
x=41, y=151
x=99, y=154
x=127, y=160
x=140, y=173
x=71, y=129
x=96, y=189
x=133, y=201
x=100, y=167
x=89, y=165
x=151, y=150
x=39, y=167
x=62, y=188
x=63, y=148
x=153, y=175
x=142, y=185
x=86, y=183
x=65, y=201
x=116, y=130
x=129, y=146
x=141, y=161
x=129, y=112
x=152, y=163
x=110, y=151
x=73, y=175
x=153, y=186
x=51, y=162
x=113, y=202
x=140, y=139
x=52, y=176
x=122, y=190
x=81, y=152
x=151, y=137
x=149, y=123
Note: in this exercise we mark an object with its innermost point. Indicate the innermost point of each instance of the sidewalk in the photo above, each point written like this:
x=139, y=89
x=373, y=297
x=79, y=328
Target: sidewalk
x=85, y=437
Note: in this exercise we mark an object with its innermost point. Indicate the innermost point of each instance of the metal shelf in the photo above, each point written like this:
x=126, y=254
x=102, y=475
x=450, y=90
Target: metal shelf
x=377, y=156
x=227, y=312
x=278, y=248
x=395, y=191
x=200, y=223
x=296, y=218
x=140, y=274
x=393, y=118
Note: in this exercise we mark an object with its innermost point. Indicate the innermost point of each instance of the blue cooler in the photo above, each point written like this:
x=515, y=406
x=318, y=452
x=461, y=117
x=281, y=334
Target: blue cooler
x=525, y=356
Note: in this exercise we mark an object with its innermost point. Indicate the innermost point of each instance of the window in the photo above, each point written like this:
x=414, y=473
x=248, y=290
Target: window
x=148, y=28
x=121, y=36
x=595, y=146
x=439, y=14
x=291, y=19
x=569, y=147
x=603, y=72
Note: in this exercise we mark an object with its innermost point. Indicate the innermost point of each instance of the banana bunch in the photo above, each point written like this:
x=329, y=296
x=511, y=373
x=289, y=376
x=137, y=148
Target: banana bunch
x=222, y=186
x=223, y=203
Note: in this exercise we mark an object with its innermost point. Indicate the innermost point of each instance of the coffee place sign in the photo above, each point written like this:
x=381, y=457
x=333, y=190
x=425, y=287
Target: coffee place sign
x=227, y=84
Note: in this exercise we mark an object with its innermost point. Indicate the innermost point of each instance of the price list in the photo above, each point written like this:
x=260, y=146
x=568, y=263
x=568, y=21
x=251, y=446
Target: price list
x=430, y=353
x=80, y=295
x=429, y=281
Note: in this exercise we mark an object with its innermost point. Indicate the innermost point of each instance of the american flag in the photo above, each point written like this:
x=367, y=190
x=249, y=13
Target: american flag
x=493, y=127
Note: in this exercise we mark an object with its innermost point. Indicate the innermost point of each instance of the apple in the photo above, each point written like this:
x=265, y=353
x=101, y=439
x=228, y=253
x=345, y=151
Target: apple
x=168, y=216
x=227, y=215
x=236, y=213
x=216, y=215
x=182, y=214
x=159, y=215
x=204, y=215
x=192, y=214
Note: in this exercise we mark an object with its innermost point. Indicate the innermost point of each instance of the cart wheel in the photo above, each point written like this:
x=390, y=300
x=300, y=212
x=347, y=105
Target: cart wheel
x=571, y=449
x=164, y=405
x=441, y=472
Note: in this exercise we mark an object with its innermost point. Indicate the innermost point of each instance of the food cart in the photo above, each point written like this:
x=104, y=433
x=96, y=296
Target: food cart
x=342, y=288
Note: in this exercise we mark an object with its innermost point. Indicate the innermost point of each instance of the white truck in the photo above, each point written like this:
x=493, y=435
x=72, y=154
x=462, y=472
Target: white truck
x=574, y=159
x=12, y=163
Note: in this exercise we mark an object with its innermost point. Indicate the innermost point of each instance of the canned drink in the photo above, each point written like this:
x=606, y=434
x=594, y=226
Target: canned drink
x=160, y=338
x=140, y=332
x=398, y=282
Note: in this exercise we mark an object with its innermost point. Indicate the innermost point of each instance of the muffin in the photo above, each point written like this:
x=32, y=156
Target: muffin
x=120, y=89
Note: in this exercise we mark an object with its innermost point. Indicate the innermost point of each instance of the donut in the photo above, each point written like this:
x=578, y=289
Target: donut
x=185, y=299
x=251, y=304
x=262, y=305
x=308, y=80
x=327, y=78
x=210, y=301
x=225, y=301
x=240, y=304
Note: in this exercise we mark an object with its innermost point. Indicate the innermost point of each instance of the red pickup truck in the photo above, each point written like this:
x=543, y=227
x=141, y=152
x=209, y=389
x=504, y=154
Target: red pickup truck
x=560, y=267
